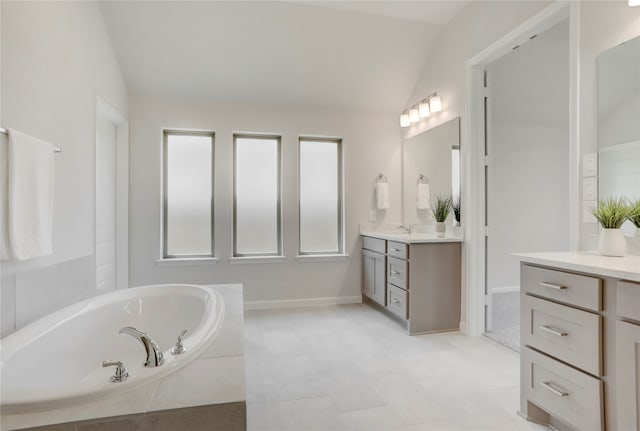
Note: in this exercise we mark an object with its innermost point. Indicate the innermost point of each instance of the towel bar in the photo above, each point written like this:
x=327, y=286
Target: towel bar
x=6, y=132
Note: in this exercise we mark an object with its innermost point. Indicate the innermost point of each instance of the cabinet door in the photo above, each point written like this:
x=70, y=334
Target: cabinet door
x=628, y=375
x=368, y=274
x=379, y=281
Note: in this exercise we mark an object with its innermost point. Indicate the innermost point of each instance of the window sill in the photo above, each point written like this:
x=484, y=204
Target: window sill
x=187, y=261
x=322, y=257
x=257, y=259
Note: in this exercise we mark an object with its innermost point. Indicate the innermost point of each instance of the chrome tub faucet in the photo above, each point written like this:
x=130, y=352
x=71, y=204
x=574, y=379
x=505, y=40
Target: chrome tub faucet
x=154, y=354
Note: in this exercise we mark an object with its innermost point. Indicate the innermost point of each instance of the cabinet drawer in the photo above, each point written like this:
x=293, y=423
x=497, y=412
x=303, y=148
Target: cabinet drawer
x=397, y=249
x=397, y=301
x=569, y=334
x=397, y=272
x=374, y=244
x=628, y=300
x=578, y=290
x=566, y=393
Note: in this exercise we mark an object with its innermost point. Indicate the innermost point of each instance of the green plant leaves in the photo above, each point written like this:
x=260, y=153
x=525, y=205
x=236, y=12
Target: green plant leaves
x=612, y=213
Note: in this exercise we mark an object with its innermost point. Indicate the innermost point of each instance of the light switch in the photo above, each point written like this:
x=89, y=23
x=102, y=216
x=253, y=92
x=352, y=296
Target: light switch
x=590, y=165
x=590, y=189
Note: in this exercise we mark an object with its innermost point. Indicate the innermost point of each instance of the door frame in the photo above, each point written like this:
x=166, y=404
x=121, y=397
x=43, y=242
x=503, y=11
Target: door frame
x=473, y=151
x=104, y=110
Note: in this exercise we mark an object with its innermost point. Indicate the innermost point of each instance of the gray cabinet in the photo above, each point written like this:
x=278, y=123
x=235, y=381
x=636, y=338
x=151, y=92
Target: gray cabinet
x=374, y=272
x=418, y=283
x=628, y=381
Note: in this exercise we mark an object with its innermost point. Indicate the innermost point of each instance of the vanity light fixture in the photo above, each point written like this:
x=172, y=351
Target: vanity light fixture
x=424, y=108
x=435, y=103
x=633, y=3
x=414, y=114
x=404, y=120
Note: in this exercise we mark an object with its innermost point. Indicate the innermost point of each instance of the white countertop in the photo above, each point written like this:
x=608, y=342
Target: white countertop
x=412, y=238
x=627, y=267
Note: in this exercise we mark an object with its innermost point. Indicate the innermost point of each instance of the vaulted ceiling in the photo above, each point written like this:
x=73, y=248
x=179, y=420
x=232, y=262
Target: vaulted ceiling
x=355, y=54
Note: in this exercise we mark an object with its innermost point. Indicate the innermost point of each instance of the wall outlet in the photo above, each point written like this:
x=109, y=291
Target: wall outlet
x=372, y=215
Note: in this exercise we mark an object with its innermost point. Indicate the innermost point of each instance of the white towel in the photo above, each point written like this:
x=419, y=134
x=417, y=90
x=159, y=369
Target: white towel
x=30, y=196
x=382, y=196
x=423, y=196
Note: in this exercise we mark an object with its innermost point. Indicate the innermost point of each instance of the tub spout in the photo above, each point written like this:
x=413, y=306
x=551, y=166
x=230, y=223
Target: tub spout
x=154, y=354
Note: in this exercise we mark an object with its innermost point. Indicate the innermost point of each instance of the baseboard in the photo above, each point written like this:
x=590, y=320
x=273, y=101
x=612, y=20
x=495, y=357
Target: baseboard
x=507, y=289
x=299, y=303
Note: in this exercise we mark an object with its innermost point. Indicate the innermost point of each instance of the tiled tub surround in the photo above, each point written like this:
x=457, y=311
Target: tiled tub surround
x=580, y=340
x=208, y=393
x=27, y=295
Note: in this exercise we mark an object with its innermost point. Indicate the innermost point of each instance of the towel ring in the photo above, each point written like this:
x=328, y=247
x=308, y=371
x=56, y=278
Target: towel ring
x=381, y=179
x=422, y=179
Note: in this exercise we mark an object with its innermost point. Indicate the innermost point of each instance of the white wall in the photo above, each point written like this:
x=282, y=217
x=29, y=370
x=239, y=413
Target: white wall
x=371, y=144
x=528, y=184
x=603, y=24
x=56, y=58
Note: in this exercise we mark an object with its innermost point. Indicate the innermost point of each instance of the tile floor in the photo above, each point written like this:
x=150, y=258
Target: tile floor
x=506, y=319
x=350, y=367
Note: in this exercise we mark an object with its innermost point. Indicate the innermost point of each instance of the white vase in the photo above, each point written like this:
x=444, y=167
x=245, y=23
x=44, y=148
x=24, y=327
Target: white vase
x=612, y=243
x=440, y=229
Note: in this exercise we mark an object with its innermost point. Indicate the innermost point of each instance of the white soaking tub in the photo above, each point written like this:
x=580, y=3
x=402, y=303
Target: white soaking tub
x=56, y=362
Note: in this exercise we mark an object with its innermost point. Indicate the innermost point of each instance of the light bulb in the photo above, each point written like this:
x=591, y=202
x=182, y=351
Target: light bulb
x=414, y=115
x=404, y=120
x=633, y=3
x=435, y=104
x=423, y=108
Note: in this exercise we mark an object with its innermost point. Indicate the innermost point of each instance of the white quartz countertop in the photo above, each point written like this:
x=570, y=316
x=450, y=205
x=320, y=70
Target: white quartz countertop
x=627, y=267
x=412, y=238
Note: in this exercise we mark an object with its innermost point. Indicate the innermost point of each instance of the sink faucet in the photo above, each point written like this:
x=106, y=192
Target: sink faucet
x=405, y=229
x=154, y=354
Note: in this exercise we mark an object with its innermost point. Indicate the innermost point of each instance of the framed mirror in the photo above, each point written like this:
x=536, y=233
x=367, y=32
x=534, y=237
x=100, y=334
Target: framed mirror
x=431, y=167
x=619, y=123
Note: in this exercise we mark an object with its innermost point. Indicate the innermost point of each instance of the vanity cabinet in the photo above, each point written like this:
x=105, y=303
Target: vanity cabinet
x=422, y=282
x=580, y=336
x=628, y=356
x=374, y=270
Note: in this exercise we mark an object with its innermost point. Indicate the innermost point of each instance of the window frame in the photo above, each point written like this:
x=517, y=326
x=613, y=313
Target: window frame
x=340, y=212
x=165, y=144
x=279, y=252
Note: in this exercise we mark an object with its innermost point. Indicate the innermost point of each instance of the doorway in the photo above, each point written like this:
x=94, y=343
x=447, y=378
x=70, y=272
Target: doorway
x=526, y=170
x=111, y=217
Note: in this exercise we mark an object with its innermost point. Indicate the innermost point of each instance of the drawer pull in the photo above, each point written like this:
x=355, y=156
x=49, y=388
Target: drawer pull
x=395, y=301
x=555, y=331
x=552, y=286
x=395, y=249
x=395, y=272
x=550, y=387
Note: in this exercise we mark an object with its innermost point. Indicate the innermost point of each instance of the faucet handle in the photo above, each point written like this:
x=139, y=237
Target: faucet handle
x=179, y=349
x=120, y=375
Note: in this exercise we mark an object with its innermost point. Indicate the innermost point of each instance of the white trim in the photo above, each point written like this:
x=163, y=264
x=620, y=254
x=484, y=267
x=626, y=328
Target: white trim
x=575, y=207
x=256, y=259
x=298, y=303
x=104, y=110
x=187, y=261
x=472, y=156
x=505, y=289
x=322, y=257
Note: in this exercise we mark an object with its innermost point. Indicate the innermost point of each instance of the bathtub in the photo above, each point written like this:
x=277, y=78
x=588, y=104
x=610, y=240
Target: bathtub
x=56, y=362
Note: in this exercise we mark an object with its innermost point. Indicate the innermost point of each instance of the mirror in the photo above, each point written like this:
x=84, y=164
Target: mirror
x=434, y=154
x=619, y=123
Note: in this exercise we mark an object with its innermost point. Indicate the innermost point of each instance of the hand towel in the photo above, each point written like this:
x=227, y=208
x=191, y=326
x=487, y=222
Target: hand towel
x=382, y=196
x=423, y=196
x=30, y=196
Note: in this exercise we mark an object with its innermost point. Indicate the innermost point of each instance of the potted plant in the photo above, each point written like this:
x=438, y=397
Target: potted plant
x=611, y=214
x=634, y=215
x=456, y=211
x=441, y=211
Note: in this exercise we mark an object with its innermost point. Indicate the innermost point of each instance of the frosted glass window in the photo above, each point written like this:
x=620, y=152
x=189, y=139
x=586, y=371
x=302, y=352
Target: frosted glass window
x=320, y=196
x=257, y=196
x=188, y=194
